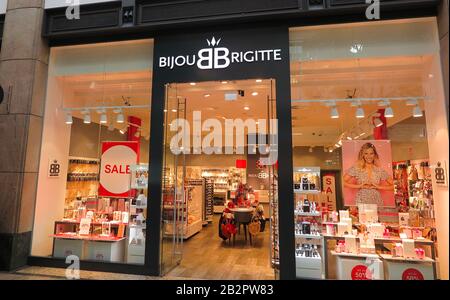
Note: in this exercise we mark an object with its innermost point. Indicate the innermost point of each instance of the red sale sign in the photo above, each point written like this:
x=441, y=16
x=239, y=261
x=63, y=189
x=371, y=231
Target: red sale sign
x=412, y=274
x=115, y=164
x=360, y=272
x=329, y=190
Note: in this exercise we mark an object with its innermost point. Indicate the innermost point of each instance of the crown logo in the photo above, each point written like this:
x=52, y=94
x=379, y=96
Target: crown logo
x=213, y=42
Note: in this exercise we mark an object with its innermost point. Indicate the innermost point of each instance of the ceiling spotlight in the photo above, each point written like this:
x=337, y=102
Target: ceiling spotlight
x=258, y=80
x=123, y=130
x=349, y=138
x=174, y=110
x=69, y=119
x=103, y=119
x=165, y=110
x=389, y=112
x=337, y=145
x=246, y=108
x=360, y=113
x=192, y=83
x=334, y=113
x=330, y=150
x=255, y=94
x=120, y=117
x=377, y=122
x=417, y=112
x=207, y=95
x=224, y=82
x=87, y=117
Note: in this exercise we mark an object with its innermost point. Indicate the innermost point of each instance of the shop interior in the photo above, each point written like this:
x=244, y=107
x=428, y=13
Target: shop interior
x=226, y=207
x=347, y=96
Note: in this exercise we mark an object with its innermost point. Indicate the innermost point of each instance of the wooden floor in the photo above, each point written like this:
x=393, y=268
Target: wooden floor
x=206, y=256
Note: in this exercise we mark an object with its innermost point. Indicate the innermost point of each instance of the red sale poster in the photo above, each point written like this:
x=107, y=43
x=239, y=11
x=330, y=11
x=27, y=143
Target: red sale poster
x=115, y=171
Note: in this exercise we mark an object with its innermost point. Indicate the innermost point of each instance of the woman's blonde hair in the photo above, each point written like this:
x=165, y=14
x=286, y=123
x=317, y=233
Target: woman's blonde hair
x=361, y=161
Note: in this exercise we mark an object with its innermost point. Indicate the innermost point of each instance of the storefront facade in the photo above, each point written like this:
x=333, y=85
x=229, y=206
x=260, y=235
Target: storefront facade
x=129, y=43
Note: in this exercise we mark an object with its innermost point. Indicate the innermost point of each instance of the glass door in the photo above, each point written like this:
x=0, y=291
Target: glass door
x=174, y=208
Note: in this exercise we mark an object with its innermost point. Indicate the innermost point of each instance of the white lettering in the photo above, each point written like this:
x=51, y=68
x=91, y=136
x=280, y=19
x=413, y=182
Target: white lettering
x=218, y=58
x=205, y=58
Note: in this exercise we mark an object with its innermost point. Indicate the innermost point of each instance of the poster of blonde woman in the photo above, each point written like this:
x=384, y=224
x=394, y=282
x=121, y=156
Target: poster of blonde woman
x=367, y=172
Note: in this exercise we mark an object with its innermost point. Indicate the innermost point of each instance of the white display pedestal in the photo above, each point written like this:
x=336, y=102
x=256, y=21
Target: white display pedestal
x=65, y=247
x=358, y=266
x=398, y=268
x=136, y=254
x=308, y=267
x=106, y=250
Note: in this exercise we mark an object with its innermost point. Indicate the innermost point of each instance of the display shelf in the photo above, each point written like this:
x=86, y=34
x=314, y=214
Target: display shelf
x=356, y=255
x=404, y=259
x=307, y=192
x=96, y=238
x=309, y=236
x=305, y=214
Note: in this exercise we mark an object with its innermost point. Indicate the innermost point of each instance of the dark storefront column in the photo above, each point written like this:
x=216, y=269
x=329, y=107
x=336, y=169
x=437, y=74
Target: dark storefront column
x=23, y=72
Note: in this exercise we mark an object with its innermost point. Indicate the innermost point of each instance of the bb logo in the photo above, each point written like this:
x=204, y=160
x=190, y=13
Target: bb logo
x=213, y=58
x=54, y=168
x=439, y=174
x=412, y=274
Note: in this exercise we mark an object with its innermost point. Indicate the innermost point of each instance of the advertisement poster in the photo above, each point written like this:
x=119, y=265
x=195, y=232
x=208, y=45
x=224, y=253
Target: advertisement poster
x=115, y=168
x=367, y=173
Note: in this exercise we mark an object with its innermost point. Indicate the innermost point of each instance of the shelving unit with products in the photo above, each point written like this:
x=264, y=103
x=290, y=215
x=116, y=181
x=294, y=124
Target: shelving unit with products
x=308, y=223
x=82, y=183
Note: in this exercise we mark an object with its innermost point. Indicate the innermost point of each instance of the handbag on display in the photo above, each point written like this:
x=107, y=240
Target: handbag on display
x=254, y=227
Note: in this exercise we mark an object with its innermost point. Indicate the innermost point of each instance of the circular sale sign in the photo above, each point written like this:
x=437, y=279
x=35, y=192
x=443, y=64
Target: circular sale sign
x=115, y=169
x=412, y=274
x=359, y=272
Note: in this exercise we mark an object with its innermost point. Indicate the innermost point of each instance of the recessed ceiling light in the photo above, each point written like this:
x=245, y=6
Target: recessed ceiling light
x=174, y=110
x=246, y=108
x=224, y=82
x=207, y=95
x=255, y=94
x=192, y=83
x=258, y=80
x=165, y=110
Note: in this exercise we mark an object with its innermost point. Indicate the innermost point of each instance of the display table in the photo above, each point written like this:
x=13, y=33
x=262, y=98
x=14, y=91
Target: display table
x=358, y=266
x=379, y=243
x=92, y=247
x=400, y=268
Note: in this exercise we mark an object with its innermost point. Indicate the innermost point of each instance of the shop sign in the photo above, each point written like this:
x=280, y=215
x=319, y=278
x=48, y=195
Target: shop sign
x=412, y=274
x=115, y=170
x=360, y=272
x=440, y=173
x=218, y=57
x=54, y=168
x=329, y=190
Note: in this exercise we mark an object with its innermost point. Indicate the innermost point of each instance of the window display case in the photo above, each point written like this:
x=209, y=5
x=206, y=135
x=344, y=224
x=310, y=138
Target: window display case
x=308, y=223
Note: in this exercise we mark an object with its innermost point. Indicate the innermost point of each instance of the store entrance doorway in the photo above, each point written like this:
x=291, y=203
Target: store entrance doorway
x=220, y=187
